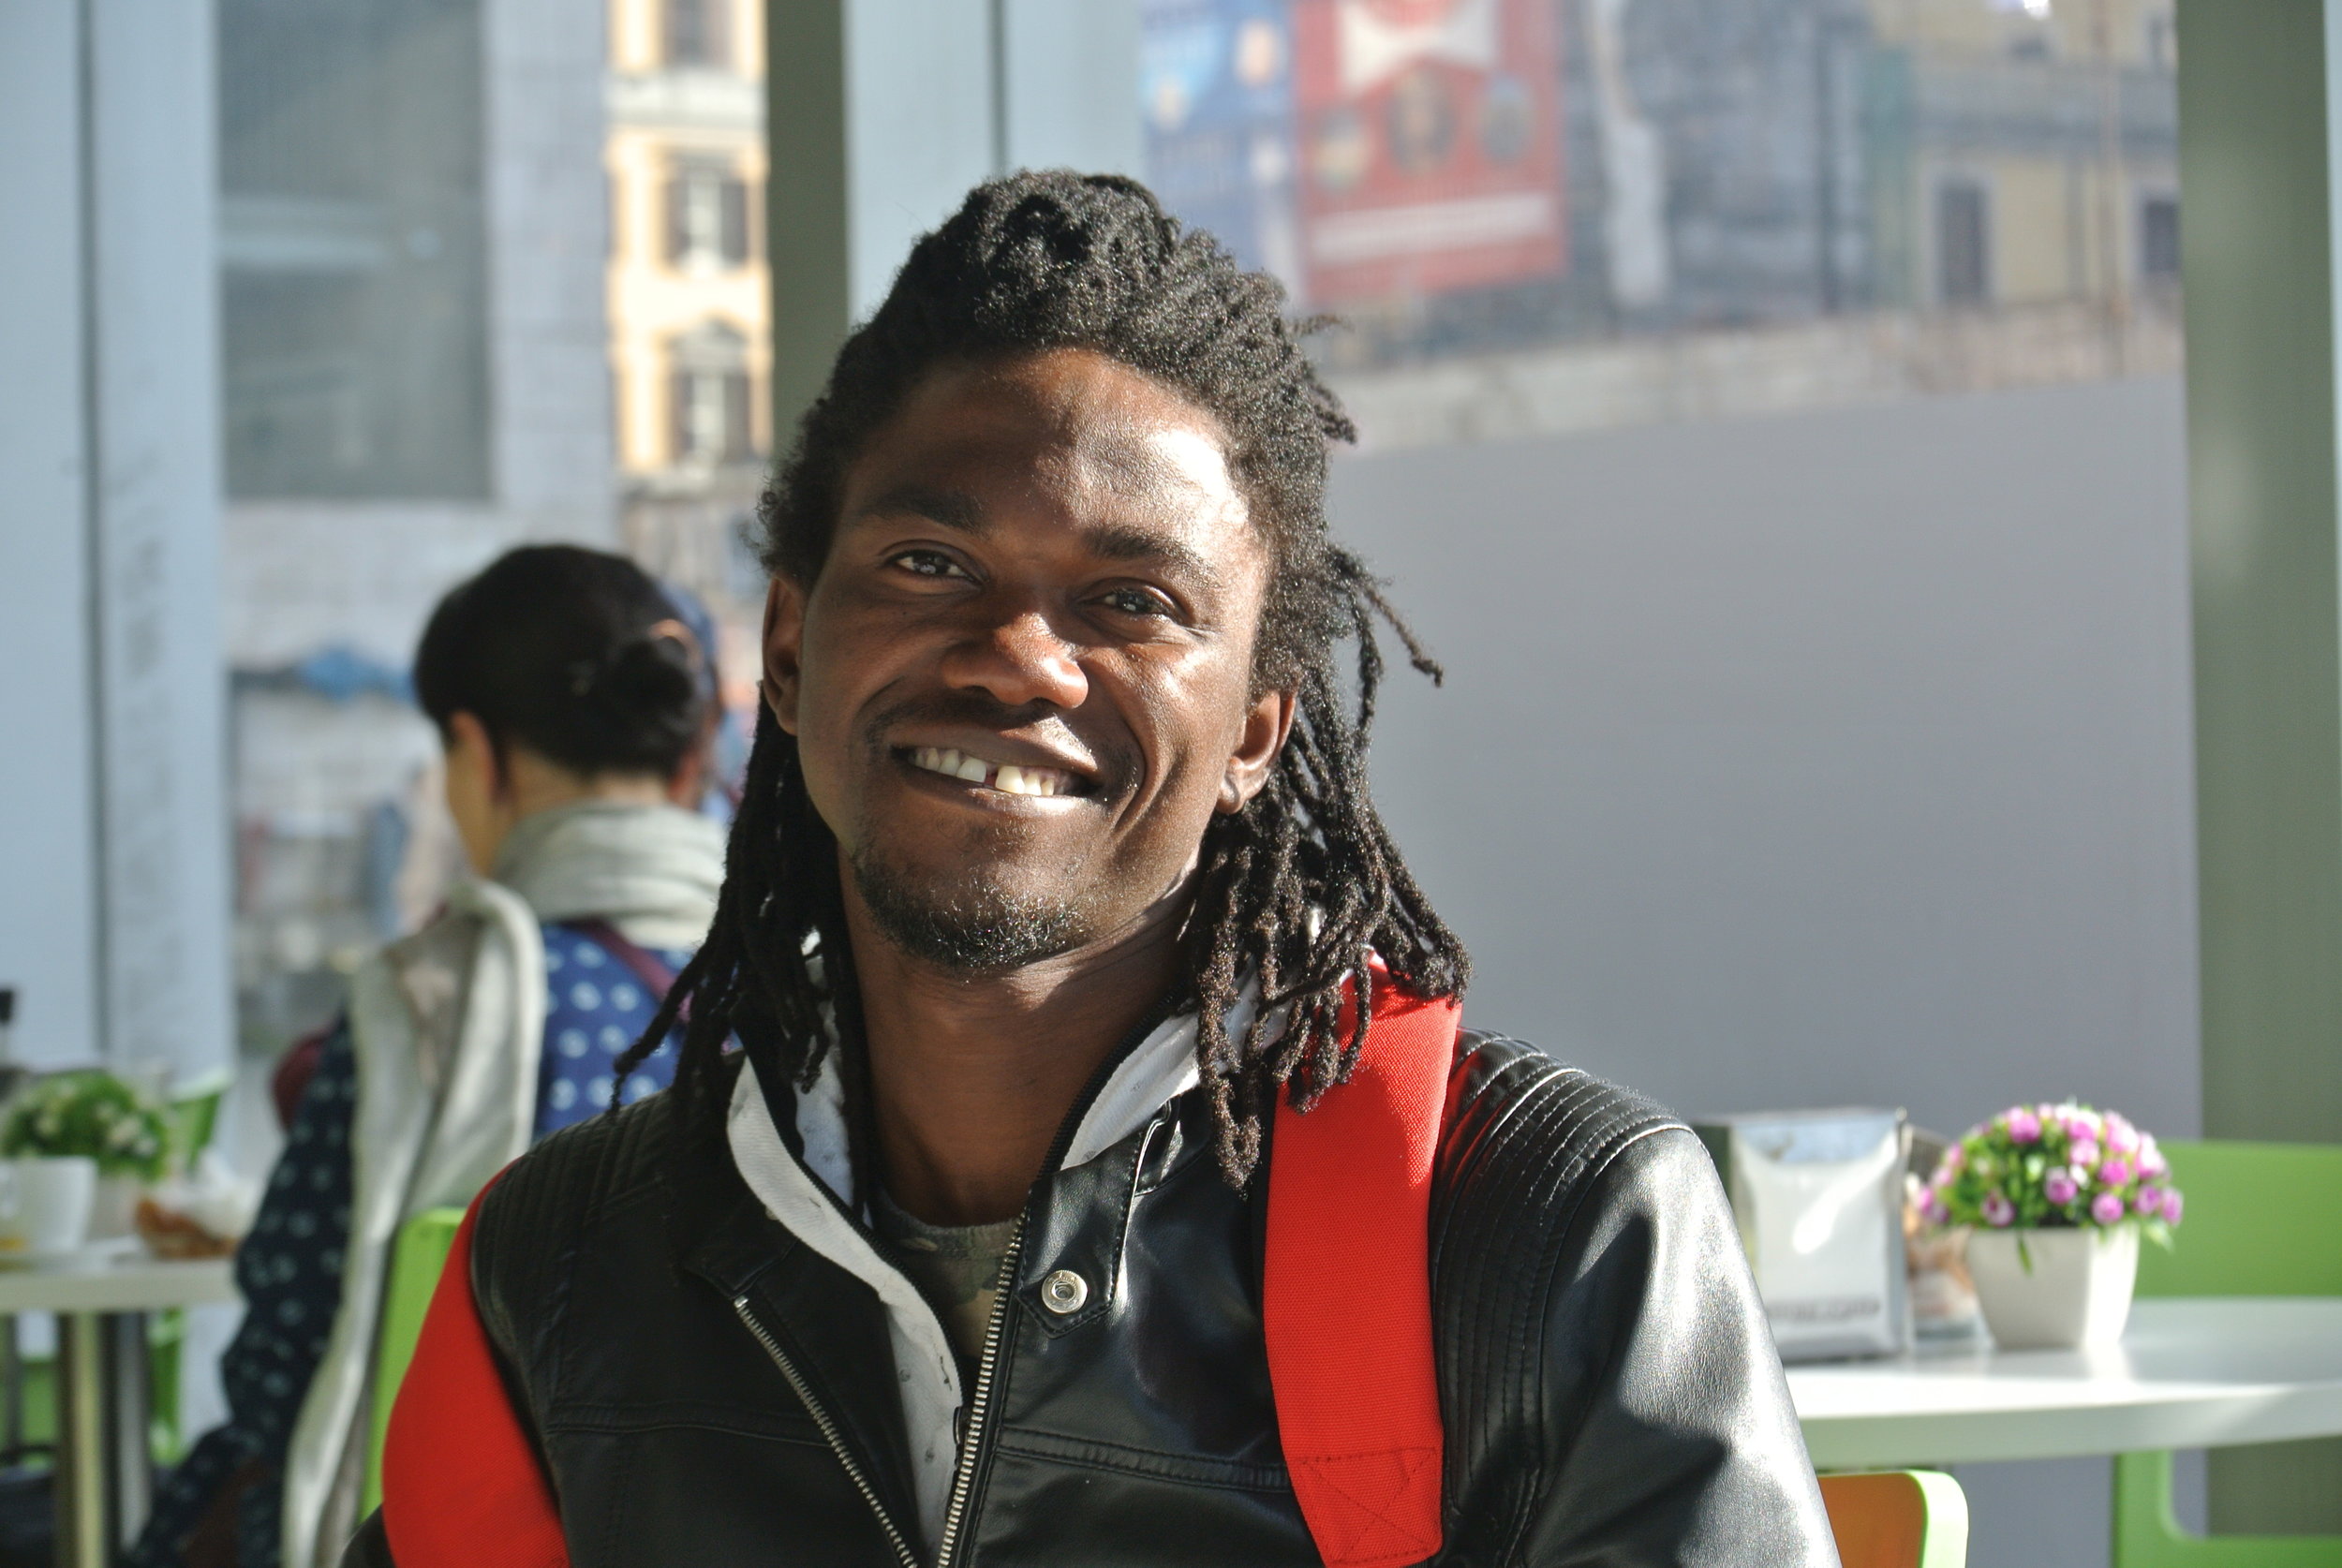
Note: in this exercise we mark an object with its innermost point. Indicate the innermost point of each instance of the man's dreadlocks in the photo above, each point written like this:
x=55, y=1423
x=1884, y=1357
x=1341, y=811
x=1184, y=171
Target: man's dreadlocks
x=1297, y=891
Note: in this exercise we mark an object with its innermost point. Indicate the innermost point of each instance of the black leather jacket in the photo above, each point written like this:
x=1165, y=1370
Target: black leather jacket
x=708, y=1390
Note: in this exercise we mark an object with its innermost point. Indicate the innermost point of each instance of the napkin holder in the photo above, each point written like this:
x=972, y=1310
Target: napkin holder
x=1818, y=1196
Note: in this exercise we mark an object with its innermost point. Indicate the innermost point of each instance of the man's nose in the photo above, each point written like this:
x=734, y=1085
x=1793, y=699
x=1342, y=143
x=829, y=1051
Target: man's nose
x=1019, y=660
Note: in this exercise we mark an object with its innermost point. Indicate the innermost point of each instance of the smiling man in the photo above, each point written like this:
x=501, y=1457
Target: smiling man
x=1056, y=879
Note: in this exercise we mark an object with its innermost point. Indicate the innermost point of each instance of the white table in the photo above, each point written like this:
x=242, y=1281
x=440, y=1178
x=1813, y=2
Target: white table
x=104, y=1472
x=2190, y=1373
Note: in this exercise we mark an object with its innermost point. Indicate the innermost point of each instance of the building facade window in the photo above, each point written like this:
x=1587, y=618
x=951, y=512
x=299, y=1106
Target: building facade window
x=710, y=397
x=697, y=33
x=2158, y=239
x=707, y=215
x=1964, y=274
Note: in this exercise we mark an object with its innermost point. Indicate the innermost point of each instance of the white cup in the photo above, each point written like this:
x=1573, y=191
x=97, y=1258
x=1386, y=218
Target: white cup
x=45, y=1203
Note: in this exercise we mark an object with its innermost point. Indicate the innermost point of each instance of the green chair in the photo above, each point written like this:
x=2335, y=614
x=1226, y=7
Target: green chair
x=191, y=1114
x=2248, y=1231
x=421, y=1253
x=1897, y=1518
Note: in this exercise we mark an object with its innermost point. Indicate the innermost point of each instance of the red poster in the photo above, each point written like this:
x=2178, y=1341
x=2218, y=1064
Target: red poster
x=1430, y=145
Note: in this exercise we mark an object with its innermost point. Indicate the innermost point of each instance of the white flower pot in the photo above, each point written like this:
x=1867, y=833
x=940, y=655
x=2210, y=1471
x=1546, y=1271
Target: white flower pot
x=2076, y=1292
x=45, y=1203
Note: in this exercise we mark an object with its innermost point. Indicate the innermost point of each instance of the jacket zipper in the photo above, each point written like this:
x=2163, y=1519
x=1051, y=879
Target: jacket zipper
x=980, y=1401
x=836, y=1439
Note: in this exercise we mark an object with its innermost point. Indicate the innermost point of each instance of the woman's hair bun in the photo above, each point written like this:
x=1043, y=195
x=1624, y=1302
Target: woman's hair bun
x=578, y=655
x=650, y=679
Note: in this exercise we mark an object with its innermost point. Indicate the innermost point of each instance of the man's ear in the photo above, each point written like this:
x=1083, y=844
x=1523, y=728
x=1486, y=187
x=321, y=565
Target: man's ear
x=1265, y=727
x=784, y=642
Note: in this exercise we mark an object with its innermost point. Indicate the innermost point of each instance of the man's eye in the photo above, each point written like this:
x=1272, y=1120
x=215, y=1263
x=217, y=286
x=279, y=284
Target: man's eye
x=1134, y=601
x=927, y=563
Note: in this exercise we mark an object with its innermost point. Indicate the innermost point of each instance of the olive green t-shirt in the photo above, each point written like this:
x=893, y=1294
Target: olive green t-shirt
x=956, y=1267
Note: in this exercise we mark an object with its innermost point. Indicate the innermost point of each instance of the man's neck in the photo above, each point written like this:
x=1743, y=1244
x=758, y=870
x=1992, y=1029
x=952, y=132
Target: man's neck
x=972, y=1075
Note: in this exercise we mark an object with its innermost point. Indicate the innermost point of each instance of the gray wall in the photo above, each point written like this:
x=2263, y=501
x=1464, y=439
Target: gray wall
x=1828, y=759
x=1836, y=758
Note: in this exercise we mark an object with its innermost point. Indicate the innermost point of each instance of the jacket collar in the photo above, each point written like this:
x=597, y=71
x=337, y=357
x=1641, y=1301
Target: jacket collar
x=804, y=1181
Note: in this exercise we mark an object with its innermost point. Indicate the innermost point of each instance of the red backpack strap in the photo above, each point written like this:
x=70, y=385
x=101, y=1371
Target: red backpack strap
x=461, y=1484
x=1346, y=1305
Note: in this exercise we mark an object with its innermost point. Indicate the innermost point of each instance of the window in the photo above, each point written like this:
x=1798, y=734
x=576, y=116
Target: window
x=710, y=397
x=353, y=250
x=1584, y=189
x=698, y=33
x=1963, y=244
x=2158, y=239
x=707, y=215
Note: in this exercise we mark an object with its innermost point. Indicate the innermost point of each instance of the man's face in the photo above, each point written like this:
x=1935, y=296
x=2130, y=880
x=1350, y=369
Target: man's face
x=1021, y=684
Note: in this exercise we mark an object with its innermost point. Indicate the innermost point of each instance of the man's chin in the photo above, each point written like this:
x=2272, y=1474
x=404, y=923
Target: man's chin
x=968, y=926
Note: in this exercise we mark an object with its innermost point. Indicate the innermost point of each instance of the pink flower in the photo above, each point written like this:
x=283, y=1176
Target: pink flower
x=2023, y=1126
x=2172, y=1205
x=2115, y=1172
x=1954, y=1157
x=1932, y=1208
x=2121, y=1136
x=2060, y=1186
x=1998, y=1210
x=2085, y=1154
x=2150, y=1160
x=2082, y=1125
x=2106, y=1207
x=2148, y=1203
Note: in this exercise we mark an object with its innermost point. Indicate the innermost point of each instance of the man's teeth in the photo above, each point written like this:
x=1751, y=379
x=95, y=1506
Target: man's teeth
x=1007, y=778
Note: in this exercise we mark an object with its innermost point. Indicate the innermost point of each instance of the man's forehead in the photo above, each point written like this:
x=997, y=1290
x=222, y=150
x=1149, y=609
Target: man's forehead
x=1075, y=428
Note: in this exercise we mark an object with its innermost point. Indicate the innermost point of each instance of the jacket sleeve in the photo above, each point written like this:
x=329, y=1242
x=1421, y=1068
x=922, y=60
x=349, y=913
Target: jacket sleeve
x=1668, y=1436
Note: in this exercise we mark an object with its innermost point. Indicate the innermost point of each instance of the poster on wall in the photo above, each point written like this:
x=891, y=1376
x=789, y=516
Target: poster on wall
x=1427, y=146
x=1216, y=89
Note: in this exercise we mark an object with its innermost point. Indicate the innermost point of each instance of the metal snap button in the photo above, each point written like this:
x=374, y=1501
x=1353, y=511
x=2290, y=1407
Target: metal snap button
x=1064, y=1292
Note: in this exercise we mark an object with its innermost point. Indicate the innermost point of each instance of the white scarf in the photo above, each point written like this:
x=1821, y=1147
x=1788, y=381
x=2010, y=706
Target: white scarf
x=447, y=1027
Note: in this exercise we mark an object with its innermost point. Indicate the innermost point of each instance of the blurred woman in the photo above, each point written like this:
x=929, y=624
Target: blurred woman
x=575, y=705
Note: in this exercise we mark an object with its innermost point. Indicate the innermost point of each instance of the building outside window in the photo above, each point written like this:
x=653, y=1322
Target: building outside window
x=697, y=33
x=2158, y=239
x=709, y=399
x=707, y=215
x=1963, y=256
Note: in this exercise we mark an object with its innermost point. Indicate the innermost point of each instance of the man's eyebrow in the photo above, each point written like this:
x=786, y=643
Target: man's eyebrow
x=1120, y=541
x=952, y=509
x=1115, y=542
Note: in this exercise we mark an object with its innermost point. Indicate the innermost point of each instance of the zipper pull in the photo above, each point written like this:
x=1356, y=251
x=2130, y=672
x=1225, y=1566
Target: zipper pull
x=960, y=1427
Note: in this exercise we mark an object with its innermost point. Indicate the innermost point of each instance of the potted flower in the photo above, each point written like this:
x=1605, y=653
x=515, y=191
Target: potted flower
x=2055, y=1198
x=91, y=1119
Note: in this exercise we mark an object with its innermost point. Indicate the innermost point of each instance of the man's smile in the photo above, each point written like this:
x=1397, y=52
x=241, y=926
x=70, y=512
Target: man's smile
x=993, y=774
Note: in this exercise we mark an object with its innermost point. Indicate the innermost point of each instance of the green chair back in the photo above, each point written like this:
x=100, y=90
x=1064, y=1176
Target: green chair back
x=1897, y=1518
x=416, y=1261
x=2260, y=1222
x=2257, y=1223
x=191, y=1116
